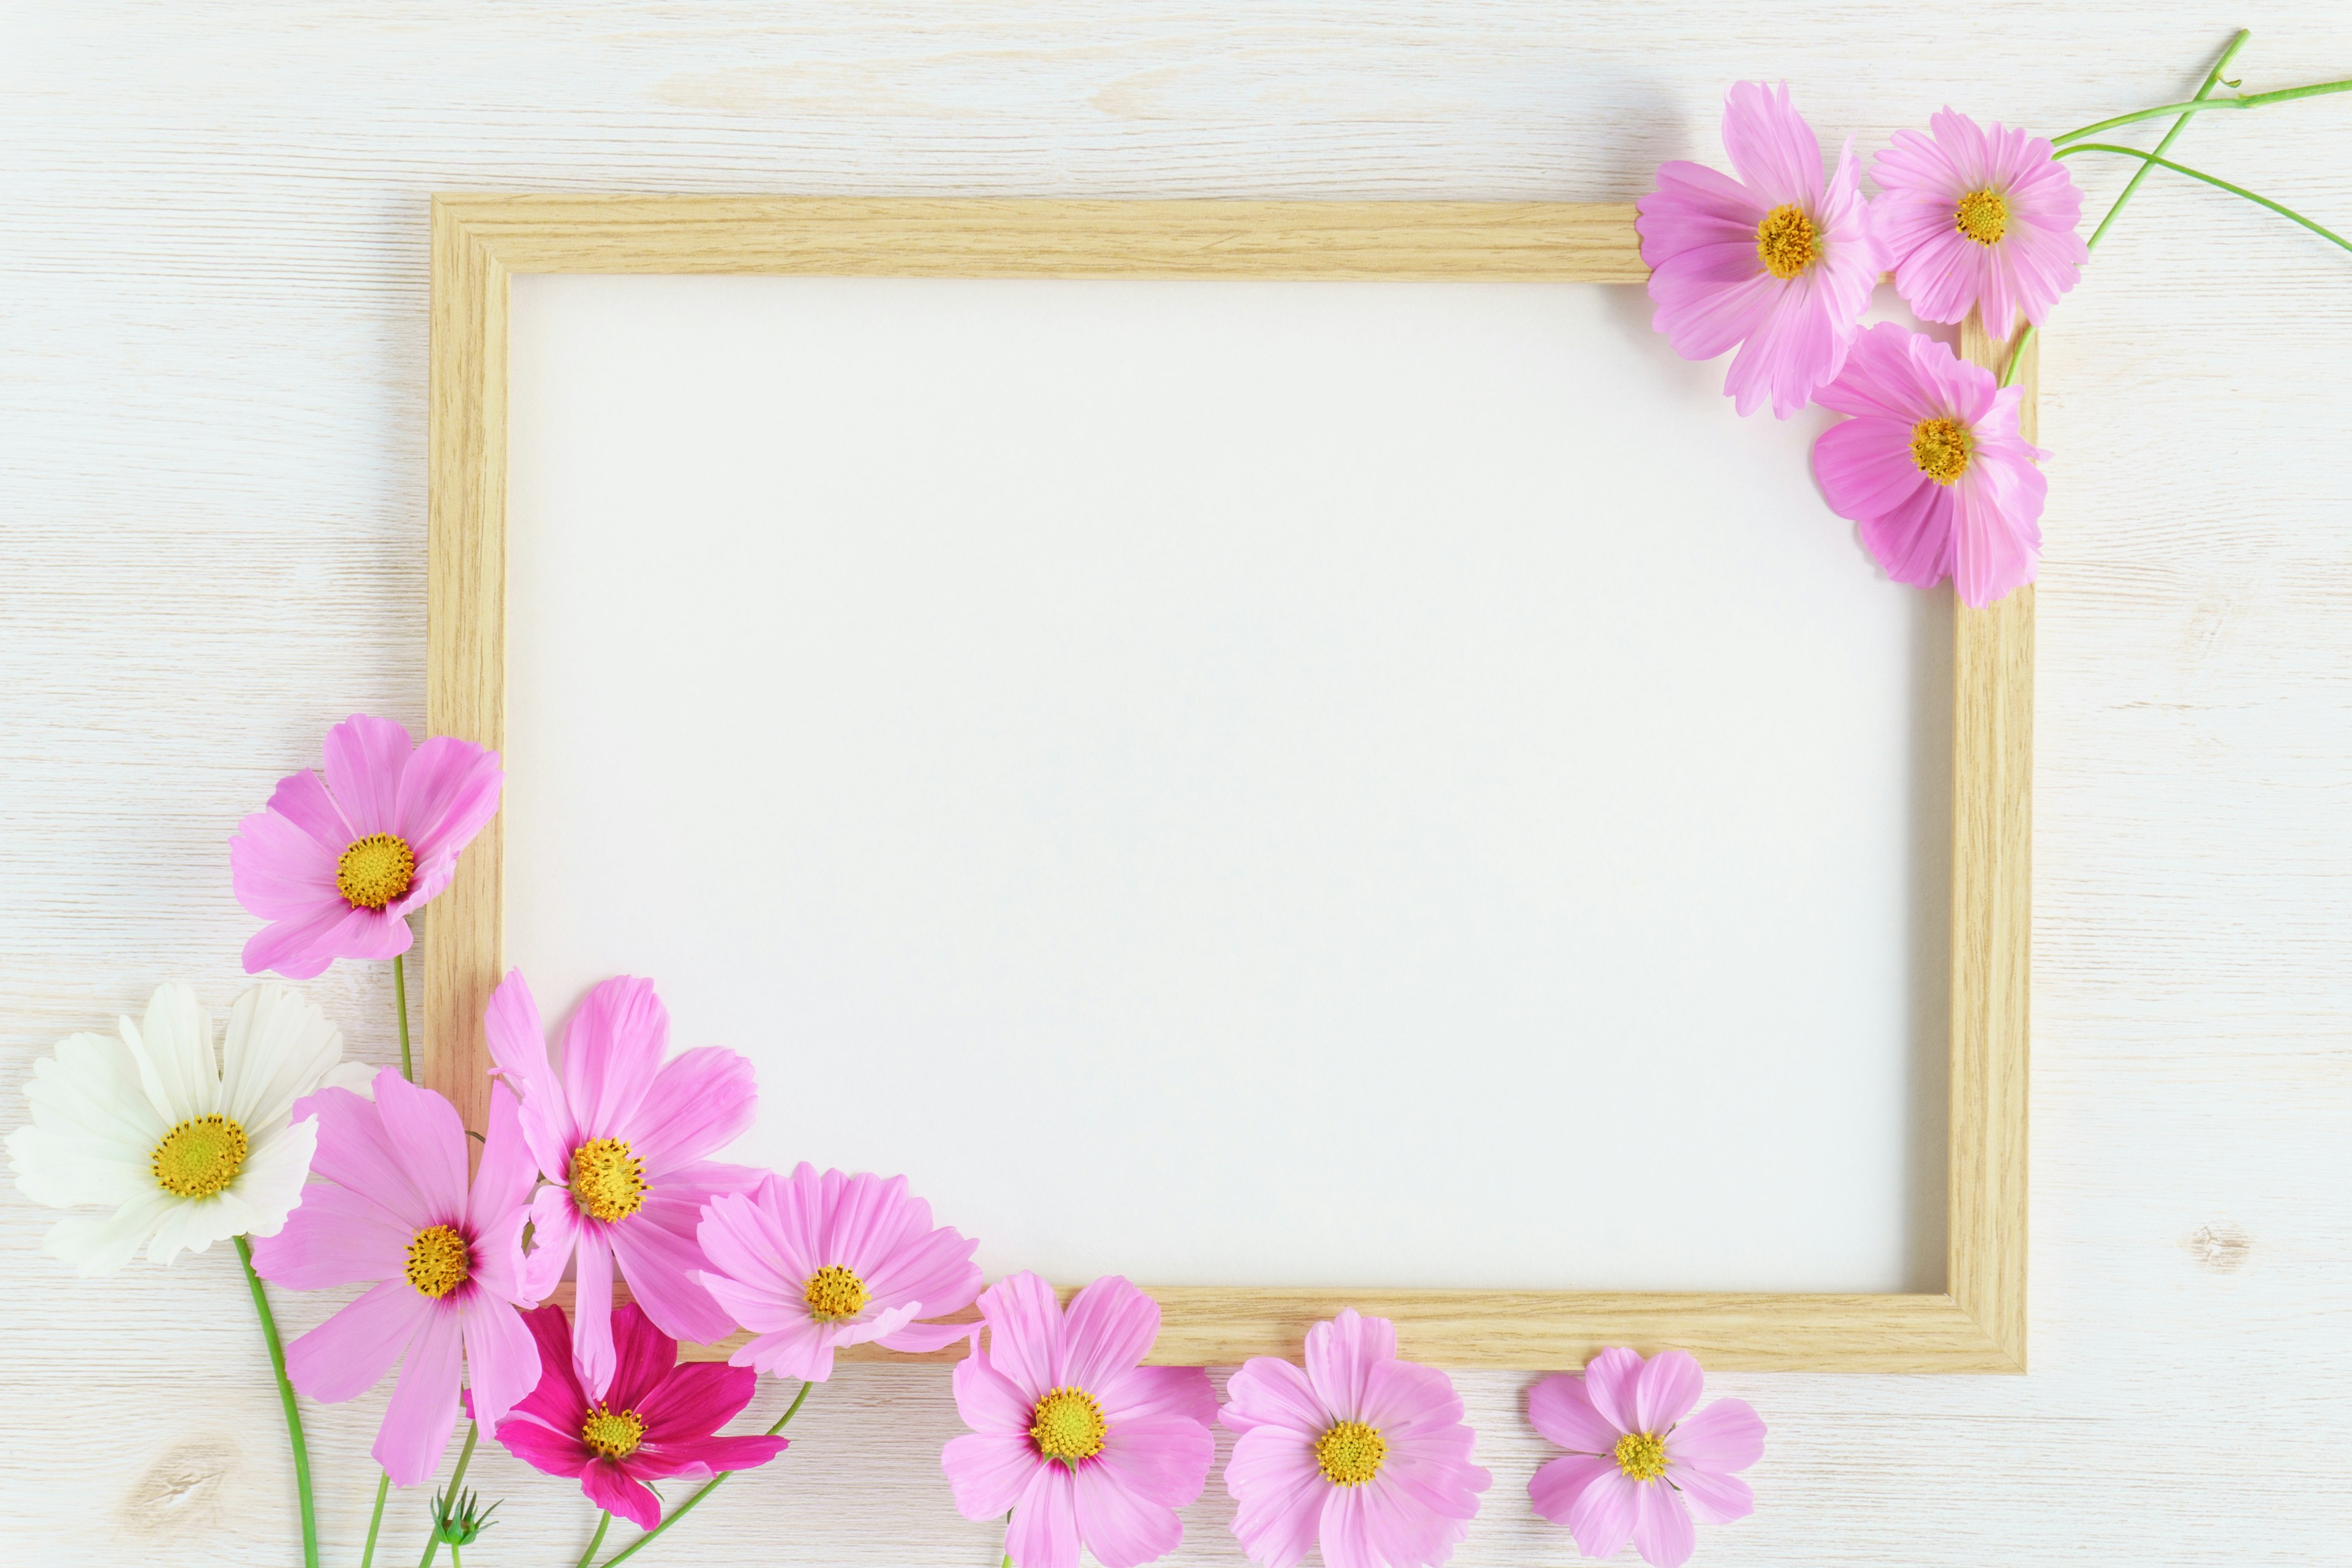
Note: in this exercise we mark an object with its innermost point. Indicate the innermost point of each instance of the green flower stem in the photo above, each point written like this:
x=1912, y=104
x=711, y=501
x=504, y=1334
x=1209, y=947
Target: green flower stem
x=2197, y=105
x=2285, y=211
x=400, y=999
x=285, y=1398
x=457, y=1478
x=604, y=1523
x=375, y=1519
x=680, y=1512
x=2212, y=80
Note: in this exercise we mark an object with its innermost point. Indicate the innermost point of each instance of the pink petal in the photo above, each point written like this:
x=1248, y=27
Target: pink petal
x=988, y=1472
x=1340, y=1355
x=1866, y=468
x=1157, y=1392
x=551, y=1452
x=354, y=1151
x=1043, y=1531
x=612, y=1049
x=448, y=791
x=1601, y=1516
x=503, y=1181
x=1556, y=1486
x=280, y=872
x=693, y=1400
x=349, y=1353
x=642, y=1357
x=1715, y=1500
x=1996, y=536
x=300, y=948
x=1279, y=1495
x=988, y=1400
x=1668, y=1387
x=424, y=1408
x=608, y=1486
x=1120, y=1528
x=555, y=1224
x=1727, y=1436
x=1662, y=1526
x=714, y=1455
x=920, y=1339
x=662, y=1260
x=428, y=1139
x=1024, y=1332
x=1108, y=1328
x=557, y=1400
x=591, y=1310
x=1608, y=1379
x=1345, y=1533
x=1557, y=1408
x=337, y=1237
x=501, y=1357
x=519, y=1055
x=1401, y=1397
x=1268, y=1391
x=364, y=760
x=302, y=798
x=801, y=1350
x=1163, y=1462
x=1773, y=150
x=701, y=1100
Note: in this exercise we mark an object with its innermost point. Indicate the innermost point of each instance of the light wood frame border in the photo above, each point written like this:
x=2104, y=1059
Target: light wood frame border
x=480, y=242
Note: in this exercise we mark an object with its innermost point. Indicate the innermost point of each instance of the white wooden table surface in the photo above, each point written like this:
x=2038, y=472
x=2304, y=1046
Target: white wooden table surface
x=212, y=487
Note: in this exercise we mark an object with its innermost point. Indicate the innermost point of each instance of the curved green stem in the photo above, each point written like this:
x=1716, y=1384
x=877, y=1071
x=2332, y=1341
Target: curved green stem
x=375, y=1519
x=2140, y=177
x=457, y=1478
x=400, y=999
x=286, y=1399
x=2285, y=212
x=2197, y=105
x=603, y=1524
x=680, y=1512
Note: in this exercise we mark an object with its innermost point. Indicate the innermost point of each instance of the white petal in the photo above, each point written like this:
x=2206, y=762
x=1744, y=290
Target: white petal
x=63, y=1173
x=357, y=1076
x=102, y=1244
x=271, y=1184
x=175, y=1050
x=192, y=1224
x=279, y=1046
x=88, y=1099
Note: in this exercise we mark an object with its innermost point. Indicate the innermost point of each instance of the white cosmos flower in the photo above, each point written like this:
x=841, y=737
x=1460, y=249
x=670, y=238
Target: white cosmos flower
x=186, y=1150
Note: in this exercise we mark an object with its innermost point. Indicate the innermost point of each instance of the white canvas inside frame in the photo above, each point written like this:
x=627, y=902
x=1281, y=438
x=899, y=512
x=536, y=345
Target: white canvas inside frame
x=1247, y=783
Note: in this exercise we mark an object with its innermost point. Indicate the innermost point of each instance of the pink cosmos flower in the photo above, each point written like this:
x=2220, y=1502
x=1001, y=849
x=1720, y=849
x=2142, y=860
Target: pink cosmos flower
x=333, y=867
x=1978, y=217
x=1083, y=1444
x=622, y=1134
x=807, y=1262
x=658, y=1418
x=1364, y=1452
x=395, y=1207
x=1931, y=466
x=1775, y=261
x=1636, y=1470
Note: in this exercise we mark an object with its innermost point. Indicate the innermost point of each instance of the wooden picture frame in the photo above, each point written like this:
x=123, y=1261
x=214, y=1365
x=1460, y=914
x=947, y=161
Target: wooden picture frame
x=480, y=242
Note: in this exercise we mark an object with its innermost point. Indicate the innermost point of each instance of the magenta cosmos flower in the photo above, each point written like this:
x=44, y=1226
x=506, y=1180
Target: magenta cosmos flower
x=1365, y=1453
x=1931, y=466
x=395, y=1207
x=656, y=1420
x=1639, y=1463
x=807, y=1262
x=622, y=1134
x=1978, y=217
x=1083, y=1444
x=333, y=867
x=1776, y=262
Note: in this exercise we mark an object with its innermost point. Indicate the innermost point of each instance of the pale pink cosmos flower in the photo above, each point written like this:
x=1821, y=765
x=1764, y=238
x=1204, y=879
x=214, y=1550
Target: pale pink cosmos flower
x=333, y=867
x=1083, y=1444
x=1364, y=1453
x=1639, y=1463
x=660, y=1418
x=1776, y=262
x=808, y=1262
x=623, y=1135
x=1932, y=467
x=1978, y=217
x=397, y=1208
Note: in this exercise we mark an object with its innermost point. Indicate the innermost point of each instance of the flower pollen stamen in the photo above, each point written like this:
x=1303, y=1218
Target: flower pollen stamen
x=1068, y=1425
x=438, y=1260
x=1787, y=241
x=1350, y=1453
x=1641, y=1456
x=834, y=1294
x=613, y=1434
x=606, y=1181
x=375, y=870
x=1941, y=448
x=1982, y=215
x=199, y=1157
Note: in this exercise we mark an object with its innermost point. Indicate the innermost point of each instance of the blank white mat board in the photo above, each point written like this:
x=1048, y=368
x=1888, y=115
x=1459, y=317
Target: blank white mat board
x=1242, y=783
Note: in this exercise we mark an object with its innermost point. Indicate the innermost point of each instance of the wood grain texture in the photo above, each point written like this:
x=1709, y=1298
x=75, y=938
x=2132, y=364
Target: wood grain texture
x=213, y=371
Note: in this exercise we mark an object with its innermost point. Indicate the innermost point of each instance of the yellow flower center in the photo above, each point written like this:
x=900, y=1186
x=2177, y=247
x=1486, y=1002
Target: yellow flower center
x=1785, y=240
x=1068, y=1425
x=439, y=1261
x=1350, y=1453
x=1941, y=447
x=1642, y=1455
x=608, y=1182
x=375, y=870
x=1982, y=215
x=835, y=1295
x=614, y=1433
x=199, y=1157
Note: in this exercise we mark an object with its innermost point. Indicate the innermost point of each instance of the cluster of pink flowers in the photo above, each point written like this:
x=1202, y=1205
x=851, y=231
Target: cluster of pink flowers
x=1778, y=264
